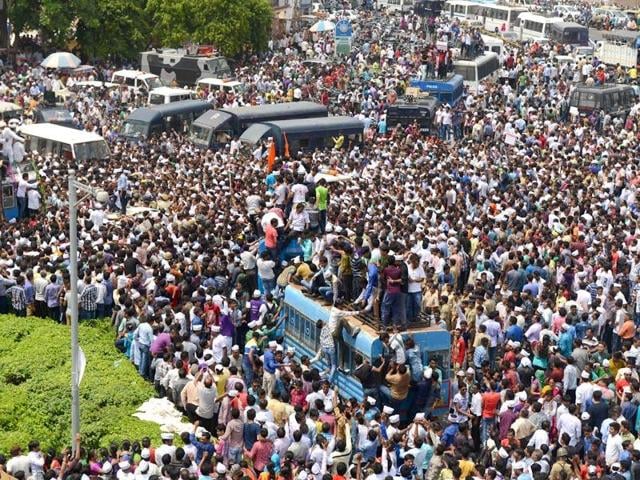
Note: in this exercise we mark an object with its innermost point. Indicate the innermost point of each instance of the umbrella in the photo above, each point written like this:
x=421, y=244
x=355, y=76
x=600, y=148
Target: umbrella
x=61, y=60
x=323, y=26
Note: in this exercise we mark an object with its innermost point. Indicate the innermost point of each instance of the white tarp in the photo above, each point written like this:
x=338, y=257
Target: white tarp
x=165, y=414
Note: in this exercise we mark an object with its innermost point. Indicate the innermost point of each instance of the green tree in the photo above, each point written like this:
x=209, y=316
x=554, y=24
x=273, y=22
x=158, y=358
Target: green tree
x=173, y=22
x=234, y=27
x=112, y=27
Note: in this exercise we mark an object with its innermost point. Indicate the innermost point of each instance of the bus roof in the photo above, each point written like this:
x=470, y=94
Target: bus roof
x=59, y=133
x=536, y=17
x=560, y=26
x=607, y=87
x=448, y=86
x=480, y=59
x=148, y=114
x=318, y=124
x=275, y=109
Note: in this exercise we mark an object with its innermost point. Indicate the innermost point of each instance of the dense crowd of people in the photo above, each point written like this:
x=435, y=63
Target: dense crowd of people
x=513, y=226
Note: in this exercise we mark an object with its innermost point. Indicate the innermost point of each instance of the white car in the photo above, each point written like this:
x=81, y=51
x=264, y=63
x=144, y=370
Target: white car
x=567, y=12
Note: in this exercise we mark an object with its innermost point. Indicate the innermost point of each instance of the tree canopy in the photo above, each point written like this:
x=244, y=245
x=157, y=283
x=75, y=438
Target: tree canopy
x=122, y=28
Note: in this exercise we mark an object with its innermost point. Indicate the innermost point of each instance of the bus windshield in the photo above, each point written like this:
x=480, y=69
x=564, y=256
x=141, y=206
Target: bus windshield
x=135, y=128
x=199, y=134
x=91, y=151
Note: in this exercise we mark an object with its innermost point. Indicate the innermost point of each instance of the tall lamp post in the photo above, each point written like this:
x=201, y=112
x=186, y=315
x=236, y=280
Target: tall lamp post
x=101, y=196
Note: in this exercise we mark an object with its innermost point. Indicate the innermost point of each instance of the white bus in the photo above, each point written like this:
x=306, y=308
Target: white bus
x=68, y=143
x=535, y=27
x=501, y=18
x=483, y=67
x=396, y=5
x=462, y=9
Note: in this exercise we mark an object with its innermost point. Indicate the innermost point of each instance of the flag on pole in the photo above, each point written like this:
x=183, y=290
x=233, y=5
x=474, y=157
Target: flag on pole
x=271, y=157
x=286, y=146
x=82, y=364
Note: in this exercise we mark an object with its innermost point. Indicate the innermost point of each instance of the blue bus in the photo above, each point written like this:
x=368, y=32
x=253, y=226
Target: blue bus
x=447, y=91
x=300, y=332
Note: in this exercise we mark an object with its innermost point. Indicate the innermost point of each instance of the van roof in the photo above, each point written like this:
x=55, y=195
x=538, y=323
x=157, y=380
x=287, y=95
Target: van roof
x=170, y=91
x=212, y=81
x=134, y=74
x=148, y=114
x=59, y=133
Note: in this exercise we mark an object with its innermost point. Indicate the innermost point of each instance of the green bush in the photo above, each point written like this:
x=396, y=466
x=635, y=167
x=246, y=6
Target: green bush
x=35, y=386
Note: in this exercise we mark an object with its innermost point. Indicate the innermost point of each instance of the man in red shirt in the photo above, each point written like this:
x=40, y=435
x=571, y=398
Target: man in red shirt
x=271, y=238
x=490, y=404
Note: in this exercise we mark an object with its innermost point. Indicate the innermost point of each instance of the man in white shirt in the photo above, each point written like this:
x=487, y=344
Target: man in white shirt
x=21, y=194
x=33, y=202
x=571, y=425
x=18, y=463
x=613, y=448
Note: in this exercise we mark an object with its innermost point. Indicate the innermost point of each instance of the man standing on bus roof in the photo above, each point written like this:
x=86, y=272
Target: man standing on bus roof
x=329, y=332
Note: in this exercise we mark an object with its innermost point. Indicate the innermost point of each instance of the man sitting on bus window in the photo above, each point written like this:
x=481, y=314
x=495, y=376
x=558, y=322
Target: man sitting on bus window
x=329, y=332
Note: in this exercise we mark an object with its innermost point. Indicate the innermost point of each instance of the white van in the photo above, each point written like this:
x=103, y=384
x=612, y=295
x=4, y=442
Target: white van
x=136, y=80
x=217, y=85
x=162, y=95
x=68, y=143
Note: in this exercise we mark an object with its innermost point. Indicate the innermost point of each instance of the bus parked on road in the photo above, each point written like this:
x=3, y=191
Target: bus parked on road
x=217, y=127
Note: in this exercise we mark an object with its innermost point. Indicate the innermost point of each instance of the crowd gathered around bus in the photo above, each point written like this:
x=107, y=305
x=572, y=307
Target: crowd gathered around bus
x=511, y=226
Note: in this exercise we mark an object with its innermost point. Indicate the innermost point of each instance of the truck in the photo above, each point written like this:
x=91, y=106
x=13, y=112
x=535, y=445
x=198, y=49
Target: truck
x=182, y=67
x=616, y=54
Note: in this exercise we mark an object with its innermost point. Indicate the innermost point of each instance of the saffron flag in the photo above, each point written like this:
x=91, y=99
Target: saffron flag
x=286, y=146
x=271, y=157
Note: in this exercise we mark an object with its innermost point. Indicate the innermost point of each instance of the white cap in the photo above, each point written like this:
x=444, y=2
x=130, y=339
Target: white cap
x=215, y=328
x=585, y=375
x=394, y=418
x=256, y=294
x=221, y=469
x=219, y=368
x=273, y=344
x=388, y=410
x=371, y=400
x=503, y=453
x=145, y=453
x=419, y=416
x=197, y=327
x=235, y=348
x=143, y=466
x=261, y=417
x=585, y=416
x=124, y=465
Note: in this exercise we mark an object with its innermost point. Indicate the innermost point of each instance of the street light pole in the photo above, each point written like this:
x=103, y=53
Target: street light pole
x=75, y=345
x=101, y=196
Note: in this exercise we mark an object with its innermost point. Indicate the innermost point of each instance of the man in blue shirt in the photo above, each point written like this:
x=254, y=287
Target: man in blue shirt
x=144, y=337
x=514, y=331
x=204, y=446
x=270, y=366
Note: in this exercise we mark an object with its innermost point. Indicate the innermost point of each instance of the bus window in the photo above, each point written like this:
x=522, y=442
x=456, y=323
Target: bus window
x=587, y=100
x=443, y=360
x=345, y=355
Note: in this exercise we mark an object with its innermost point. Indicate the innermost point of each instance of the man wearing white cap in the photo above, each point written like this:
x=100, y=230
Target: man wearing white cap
x=167, y=448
